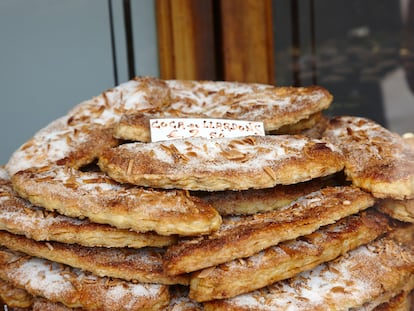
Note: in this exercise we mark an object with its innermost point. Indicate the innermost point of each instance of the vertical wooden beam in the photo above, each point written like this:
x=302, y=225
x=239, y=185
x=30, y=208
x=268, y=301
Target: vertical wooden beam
x=186, y=39
x=165, y=39
x=247, y=40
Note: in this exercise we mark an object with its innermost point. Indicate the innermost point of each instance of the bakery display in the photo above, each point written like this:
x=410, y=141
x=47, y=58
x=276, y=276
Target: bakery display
x=316, y=214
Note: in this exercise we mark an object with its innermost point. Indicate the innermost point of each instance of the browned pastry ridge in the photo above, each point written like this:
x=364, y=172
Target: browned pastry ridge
x=276, y=107
x=223, y=163
x=380, y=269
x=244, y=236
x=376, y=159
x=95, y=196
x=141, y=265
x=19, y=216
x=287, y=258
x=77, y=289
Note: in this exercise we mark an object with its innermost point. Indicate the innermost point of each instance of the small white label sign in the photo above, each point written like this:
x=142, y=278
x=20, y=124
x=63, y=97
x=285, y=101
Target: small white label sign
x=177, y=128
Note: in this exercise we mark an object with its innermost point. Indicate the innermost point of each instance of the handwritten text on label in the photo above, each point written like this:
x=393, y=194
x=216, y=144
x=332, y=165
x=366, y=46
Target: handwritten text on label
x=176, y=128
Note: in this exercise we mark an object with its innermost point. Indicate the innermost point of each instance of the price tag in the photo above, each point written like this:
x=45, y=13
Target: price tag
x=177, y=128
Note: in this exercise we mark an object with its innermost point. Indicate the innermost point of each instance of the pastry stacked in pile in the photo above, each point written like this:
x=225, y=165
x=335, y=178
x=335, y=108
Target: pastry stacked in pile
x=315, y=215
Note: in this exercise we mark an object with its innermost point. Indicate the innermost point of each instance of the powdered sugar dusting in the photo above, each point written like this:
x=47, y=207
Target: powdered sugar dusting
x=44, y=277
x=243, y=154
x=348, y=282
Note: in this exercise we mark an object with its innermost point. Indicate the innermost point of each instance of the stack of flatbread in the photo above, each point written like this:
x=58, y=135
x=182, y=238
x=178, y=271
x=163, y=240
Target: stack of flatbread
x=315, y=215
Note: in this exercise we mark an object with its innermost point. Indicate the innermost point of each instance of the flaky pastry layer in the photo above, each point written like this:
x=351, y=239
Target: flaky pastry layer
x=95, y=196
x=399, y=209
x=287, y=258
x=14, y=297
x=276, y=107
x=244, y=236
x=365, y=274
x=19, y=216
x=75, y=288
x=141, y=265
x=223, y=163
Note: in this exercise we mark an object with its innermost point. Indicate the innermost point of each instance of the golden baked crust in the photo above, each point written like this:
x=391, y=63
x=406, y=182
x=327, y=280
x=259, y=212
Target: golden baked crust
x=19, y=216
x=287, y=258
x=97, y=197
x=14, y=297
x=143, y=265
x=244, y=236
x=248, y=202
x=223, y=163
x=365, y=274
x=75, y=288
x=274, y=106
x=399, y=209
x=375, y=159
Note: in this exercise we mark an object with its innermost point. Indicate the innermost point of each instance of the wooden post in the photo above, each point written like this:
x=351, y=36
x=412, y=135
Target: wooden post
x=186, y=39
x=247, y=40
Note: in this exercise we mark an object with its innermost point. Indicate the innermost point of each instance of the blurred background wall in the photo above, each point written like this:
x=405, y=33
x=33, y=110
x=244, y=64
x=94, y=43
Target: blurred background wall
x=57, y=53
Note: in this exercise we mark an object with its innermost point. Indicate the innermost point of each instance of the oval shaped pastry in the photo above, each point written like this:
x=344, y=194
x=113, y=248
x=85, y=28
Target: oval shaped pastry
x=94, y=195
x=20, y=217
x=222, y=163
x=276, y=107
